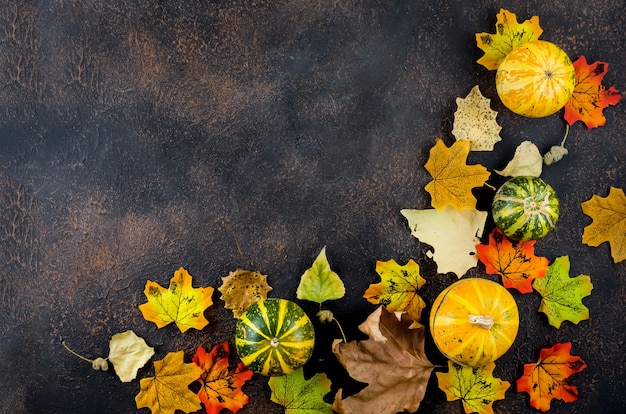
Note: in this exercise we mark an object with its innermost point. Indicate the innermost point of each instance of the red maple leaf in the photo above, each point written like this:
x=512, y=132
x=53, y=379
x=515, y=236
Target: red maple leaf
x=590, y=97
x=221, y=386
x=547, y=379
x=515, y=262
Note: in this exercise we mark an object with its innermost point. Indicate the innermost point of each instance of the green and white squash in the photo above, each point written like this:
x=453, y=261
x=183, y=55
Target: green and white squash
x=525, y=208
x=274, y=337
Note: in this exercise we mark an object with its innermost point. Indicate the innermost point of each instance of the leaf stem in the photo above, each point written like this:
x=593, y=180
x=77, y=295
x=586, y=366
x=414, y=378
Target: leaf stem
x=566, y=134
x=76, y=354
x=343, y=335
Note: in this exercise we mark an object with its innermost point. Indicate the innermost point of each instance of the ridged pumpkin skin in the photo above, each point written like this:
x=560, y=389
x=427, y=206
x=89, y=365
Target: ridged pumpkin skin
x=274, y=337
x=535, y=79
x=525, y=208
x=460, y=318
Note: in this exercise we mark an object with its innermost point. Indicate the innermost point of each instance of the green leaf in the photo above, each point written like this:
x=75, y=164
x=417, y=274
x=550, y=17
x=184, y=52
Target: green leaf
x=300, y=396
x=475, y=387
x=562, y=295
x=319, y=283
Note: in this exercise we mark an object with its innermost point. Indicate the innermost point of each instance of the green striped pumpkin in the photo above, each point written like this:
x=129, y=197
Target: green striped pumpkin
x=525, y=208
x=274, y=337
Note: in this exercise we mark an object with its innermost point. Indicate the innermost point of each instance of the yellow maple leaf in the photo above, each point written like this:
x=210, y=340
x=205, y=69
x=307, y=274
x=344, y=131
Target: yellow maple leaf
x=509, y=34
x=168, y=390
x=398, y=288
x=453, y=179
x=242, y=288
x=475, y=121
x=609, y=222
x=180, y=303
x=475, y=387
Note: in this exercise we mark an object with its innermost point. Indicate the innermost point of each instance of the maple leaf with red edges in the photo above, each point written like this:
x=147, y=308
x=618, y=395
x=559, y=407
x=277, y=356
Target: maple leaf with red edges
x=547, y=379
x=515, y=262
x=590, y=97
x=221, y=386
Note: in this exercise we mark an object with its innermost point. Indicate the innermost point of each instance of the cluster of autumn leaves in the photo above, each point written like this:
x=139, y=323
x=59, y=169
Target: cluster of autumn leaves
x=392, y=361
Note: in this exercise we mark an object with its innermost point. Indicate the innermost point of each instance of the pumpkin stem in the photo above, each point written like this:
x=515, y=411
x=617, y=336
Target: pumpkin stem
x=484, y=321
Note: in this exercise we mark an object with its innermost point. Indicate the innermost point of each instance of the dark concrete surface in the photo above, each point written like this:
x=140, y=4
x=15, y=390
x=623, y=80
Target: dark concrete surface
x=130, y=131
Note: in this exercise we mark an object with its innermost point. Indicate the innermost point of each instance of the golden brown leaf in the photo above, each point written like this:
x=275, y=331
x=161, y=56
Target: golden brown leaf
x=453, y=179
x=168, y=390
x=242, y=288
x=609, y=222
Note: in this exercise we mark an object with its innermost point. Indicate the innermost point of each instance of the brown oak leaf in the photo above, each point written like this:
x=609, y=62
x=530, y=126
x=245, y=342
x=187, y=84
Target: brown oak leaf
x=395, y=368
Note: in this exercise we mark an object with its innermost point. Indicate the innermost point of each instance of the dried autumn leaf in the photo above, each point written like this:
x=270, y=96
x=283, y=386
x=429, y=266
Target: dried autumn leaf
x=319, y=283
x=562, y=295
x=475, y=387
x=590, y=97
x=475, y=121
x=527, y=161
x=181, y=303
x=168, y=390
x=398, y=288
x=395, y=370
x=220, y=385
x=515, y=262
x=242, y=288
x=453, y=179
x=509, y=34
x=453, y=234
x=301, y=396
x=547, y=379
x=128, y=352
x=609, y=222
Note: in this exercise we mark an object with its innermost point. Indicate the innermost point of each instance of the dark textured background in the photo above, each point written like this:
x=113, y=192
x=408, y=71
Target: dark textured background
x=130, y=131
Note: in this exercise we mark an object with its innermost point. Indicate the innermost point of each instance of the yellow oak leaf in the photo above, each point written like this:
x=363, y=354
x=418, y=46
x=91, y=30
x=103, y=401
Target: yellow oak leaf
x=475, y=387
x=242, y=288
x=168, y=390
x=180, y=303
x=453, y=179
x=609, y=222
x=475, y=121
x=398, y=288
x=509, y=34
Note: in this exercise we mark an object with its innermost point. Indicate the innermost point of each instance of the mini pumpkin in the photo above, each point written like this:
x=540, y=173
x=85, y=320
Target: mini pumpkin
x=474, y=321
x=274, y=337
x=536, y=79
x=525, y=208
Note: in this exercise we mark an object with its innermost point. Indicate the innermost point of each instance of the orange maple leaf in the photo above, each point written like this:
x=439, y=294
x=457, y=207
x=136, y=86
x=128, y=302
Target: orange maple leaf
x=590, y=97
x=547, y=379
x=453, y=179
x=515, y=262
x=221, y=386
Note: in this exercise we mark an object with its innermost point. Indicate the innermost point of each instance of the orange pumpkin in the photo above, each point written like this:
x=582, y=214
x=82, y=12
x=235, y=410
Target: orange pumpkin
x=535, y=79
x=474, y=321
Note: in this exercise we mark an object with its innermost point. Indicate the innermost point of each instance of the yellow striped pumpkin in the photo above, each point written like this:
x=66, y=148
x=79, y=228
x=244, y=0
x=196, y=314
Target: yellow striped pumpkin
x=274, y=337
x=535, y=79
x=474, y=321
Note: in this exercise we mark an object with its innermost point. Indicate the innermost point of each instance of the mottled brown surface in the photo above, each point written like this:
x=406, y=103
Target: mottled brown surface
x=130, y=131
